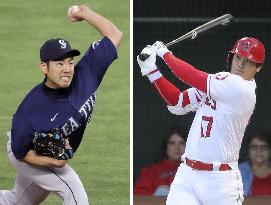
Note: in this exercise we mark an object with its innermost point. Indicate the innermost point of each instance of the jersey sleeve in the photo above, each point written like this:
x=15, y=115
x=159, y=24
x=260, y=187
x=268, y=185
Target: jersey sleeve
x=189, y=101
x=96, y=61
x=226, y=88
x=21, y=136
x=90, y=70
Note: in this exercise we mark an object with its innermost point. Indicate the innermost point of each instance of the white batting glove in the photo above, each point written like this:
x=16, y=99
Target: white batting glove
x=148, y=65
x=161, y=48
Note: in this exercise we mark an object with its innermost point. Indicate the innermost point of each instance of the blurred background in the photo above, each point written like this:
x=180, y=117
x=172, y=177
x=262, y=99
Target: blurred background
x=102, y=160
x=166, y=20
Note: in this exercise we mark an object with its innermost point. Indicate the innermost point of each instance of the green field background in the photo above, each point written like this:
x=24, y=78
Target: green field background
x=102, y=160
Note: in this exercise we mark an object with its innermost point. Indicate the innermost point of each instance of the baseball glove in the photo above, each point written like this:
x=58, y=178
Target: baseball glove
x=52, y=144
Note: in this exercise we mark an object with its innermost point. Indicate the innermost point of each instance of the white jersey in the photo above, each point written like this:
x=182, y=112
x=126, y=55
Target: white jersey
x=221, y=118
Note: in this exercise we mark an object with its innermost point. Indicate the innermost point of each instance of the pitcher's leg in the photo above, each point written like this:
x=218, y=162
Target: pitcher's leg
x=62, y=181
x=73, y=191
x=24, y=192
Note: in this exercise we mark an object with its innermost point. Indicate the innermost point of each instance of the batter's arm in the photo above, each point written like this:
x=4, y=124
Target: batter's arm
x=33, y=158
x=186, y=72
x=178, y=102
x=167, y=91
x=100, y=23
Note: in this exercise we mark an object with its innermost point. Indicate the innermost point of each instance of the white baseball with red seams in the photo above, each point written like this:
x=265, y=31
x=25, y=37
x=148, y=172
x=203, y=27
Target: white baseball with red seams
x=71, y=10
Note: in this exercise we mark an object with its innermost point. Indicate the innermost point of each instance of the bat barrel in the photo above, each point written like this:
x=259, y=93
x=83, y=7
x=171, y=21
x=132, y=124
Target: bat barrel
x=222, y=20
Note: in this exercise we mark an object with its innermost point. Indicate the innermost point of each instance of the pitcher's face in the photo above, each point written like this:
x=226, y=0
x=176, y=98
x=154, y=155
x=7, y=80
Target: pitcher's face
x=59, y=73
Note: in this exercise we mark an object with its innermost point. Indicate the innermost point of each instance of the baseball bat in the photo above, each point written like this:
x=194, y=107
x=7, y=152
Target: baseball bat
x=220, y=21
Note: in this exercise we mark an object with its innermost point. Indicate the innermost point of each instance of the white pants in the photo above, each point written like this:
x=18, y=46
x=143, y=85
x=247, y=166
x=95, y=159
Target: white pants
x=194, y=187
x=34, y=183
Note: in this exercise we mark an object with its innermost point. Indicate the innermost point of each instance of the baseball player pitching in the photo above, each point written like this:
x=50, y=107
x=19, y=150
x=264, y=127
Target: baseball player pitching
x=224, y=103
x=50, y=122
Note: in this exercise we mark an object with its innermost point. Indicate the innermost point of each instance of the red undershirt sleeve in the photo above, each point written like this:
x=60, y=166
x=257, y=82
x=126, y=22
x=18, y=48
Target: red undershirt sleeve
x=186, y=72
x=169, y=93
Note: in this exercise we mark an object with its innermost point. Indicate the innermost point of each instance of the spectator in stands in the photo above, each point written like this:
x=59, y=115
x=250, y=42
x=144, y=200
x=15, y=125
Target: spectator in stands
x=256, y=172
x=156, y=178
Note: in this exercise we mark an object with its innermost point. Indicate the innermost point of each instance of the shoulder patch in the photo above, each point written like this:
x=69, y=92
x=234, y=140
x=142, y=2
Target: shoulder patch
x=95, y=44
x=221, y=76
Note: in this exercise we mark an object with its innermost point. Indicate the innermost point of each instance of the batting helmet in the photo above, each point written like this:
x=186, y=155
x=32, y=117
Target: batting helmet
x=249, y=48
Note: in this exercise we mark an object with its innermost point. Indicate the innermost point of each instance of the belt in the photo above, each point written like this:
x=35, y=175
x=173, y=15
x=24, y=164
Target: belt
x=194, y=164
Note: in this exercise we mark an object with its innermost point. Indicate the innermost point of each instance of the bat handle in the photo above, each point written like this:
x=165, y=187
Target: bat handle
x=143, y=56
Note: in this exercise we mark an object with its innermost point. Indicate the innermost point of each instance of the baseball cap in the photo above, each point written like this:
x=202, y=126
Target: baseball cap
x=56, y=49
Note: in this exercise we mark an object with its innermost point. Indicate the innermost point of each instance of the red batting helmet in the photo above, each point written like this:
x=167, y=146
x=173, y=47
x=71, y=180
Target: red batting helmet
x=250, y=48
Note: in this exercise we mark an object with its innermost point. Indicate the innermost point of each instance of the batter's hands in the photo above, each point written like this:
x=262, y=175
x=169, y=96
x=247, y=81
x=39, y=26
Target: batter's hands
x=160, y=48
x=77, y=13
x=148, y=65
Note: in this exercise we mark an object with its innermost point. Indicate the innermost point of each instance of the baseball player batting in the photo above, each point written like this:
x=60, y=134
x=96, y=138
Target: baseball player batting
x=224, y=103
x=50, y=122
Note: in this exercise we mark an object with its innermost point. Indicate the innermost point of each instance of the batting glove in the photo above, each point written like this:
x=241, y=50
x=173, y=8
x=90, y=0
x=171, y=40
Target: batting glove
x=148, y=65
x=161, y=48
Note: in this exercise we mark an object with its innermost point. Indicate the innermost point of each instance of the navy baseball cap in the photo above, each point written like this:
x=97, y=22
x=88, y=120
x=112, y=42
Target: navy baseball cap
x=57, y=49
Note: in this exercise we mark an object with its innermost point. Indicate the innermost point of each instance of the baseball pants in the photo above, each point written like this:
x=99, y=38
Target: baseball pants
x=194, y=187
x=34, y=183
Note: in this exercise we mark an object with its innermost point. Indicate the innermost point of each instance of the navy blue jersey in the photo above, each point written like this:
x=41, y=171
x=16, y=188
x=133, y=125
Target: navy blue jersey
x=70, y=109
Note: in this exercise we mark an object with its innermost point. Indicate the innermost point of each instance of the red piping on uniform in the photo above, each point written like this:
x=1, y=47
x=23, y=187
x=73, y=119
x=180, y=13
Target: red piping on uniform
x=169, y=93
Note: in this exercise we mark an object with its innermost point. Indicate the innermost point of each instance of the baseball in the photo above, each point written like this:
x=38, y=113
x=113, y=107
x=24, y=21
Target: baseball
x=71, y=11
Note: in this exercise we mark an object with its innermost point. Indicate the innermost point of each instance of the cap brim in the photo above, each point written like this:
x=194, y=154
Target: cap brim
x=69, y=54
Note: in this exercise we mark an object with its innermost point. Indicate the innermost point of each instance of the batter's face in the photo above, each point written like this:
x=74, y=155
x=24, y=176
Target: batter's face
x=244, y=67
x=259, y=152
x=175, y=147
x=59, y=73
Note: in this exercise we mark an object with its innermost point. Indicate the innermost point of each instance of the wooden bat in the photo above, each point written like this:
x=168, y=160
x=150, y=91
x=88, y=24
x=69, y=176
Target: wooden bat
x=215, y=23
